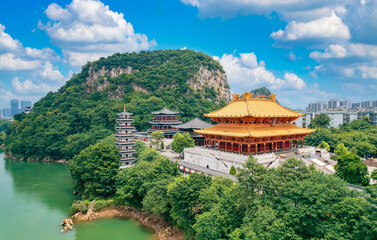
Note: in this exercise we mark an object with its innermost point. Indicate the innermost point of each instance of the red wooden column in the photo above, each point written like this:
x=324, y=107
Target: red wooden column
x=256, y=148
x=248, y=148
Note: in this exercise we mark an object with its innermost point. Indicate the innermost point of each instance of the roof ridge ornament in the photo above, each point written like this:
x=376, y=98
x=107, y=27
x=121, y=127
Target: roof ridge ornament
x=235, y=97
x=261, y=96
x=272, y=97
x=247, y=95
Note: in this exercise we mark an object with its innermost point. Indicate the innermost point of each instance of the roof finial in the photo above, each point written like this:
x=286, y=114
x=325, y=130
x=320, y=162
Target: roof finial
x=124, y=108
x=235, y=97
x=247, y=95
x=272, y=97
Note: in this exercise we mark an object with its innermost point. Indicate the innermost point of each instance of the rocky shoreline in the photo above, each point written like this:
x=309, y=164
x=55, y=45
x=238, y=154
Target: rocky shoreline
x=163, y=229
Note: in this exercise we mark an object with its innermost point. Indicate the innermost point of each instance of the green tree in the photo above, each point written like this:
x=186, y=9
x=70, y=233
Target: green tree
x=157, y=138
x=324, y=145
x=374, y=174
x=94, y=170
x=183, y=196
x=350, y=167
x=162, y=146
x=134, y=183
x=233, y=170
x=365, y=149
x=156, y=200
x=320, y=121
x=182, y=141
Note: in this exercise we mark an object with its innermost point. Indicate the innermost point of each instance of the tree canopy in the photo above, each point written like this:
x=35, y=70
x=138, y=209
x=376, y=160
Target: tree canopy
x=94, y=170
x=182, y=141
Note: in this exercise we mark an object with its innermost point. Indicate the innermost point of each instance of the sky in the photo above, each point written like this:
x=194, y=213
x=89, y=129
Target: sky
x=302, y=50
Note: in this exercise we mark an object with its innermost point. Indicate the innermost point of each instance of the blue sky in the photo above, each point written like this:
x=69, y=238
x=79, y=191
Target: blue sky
x=302, y=50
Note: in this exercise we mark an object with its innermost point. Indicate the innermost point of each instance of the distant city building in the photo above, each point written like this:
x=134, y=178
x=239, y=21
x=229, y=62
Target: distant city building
x=6, y=112
x=370, y=113
x=355, y=105
x=14, y=107
x=24, y=105
x=304, y=121
x=367, y=104
x=317, y=106
x=334, y=103
x=345, y=104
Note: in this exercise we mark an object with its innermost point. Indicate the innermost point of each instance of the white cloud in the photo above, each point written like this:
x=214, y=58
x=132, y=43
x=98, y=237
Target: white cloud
x=29, y=87
x=291, y=56
x=334, y=51
x=231, y=8
x=7, y=43
x=86, y=30
x=48, y=72
x=368, y=71
x=330, y=27
x=245, y=72
x=10, y=62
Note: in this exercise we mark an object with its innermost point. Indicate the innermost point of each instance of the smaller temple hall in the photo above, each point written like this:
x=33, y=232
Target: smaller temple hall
x=165, y=121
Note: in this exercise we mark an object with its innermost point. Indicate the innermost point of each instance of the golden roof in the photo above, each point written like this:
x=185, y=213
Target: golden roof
x=247, y=106
x=254, y=131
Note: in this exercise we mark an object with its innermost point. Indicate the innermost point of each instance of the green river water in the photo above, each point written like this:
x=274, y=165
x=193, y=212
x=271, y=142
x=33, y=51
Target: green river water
x=36, y=196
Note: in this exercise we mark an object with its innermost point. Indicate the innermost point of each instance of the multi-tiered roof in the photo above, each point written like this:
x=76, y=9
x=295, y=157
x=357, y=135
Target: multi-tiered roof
x=257, y=123
x=125, y=138
x=165, y=121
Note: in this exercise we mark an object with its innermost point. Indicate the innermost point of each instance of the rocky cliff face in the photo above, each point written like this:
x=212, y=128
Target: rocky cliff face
x=211, y=79
x=204, y=79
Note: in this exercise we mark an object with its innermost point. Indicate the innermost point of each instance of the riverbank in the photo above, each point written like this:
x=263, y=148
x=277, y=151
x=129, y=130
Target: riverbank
x=163, y=229
x=9, y=155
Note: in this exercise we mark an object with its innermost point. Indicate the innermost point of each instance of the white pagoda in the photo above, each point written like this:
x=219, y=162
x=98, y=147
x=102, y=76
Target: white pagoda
x=125, y=138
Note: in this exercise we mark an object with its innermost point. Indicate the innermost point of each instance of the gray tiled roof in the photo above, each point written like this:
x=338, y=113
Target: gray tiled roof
x=165, y=111
x=124, y=114
x=195, y=123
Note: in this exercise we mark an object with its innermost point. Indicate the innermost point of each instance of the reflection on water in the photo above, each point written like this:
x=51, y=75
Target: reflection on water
x=36, y=196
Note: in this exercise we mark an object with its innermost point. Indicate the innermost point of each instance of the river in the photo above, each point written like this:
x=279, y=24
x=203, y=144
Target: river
x=36, y=196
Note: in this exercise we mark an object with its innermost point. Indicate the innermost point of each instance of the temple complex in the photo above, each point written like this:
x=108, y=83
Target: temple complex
x=254, y=125
x=194, y=124
x=125, y=138
x=165, y=121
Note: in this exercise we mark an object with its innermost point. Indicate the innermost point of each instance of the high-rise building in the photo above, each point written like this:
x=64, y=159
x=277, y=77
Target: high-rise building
x=334, y=103
x=345, y=104
x=6, y=112
x=316, y=107
x=14, y=107
x=25, y=104
x=355, y=105
x=367, y=104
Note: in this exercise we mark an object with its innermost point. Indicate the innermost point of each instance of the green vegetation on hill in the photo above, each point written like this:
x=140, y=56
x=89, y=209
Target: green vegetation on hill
x=261, y=91
x=67, y=121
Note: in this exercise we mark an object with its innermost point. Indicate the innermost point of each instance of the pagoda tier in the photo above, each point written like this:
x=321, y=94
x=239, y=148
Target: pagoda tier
x=254, y=125
x=165, y=121
x=125, y=139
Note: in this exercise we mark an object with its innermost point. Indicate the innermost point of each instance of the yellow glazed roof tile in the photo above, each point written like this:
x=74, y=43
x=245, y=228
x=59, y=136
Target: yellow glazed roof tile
x=253, y=107
x=254, y=131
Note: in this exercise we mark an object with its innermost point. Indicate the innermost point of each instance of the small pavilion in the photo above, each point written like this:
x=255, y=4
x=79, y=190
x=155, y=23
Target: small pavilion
x=194, y=124
x=253, y=125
